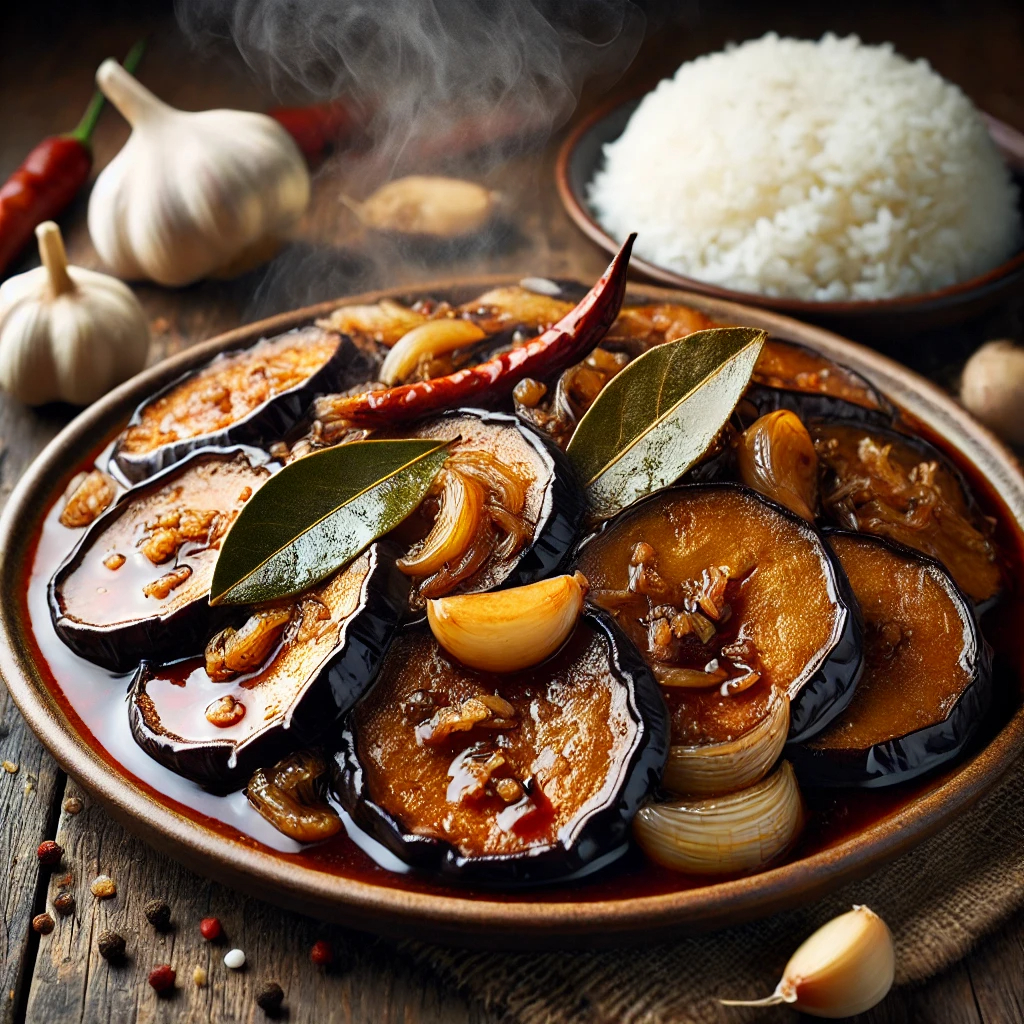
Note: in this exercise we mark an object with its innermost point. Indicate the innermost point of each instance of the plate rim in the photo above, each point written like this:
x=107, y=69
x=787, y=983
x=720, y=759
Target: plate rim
x=1009, y=141
x=484, y=920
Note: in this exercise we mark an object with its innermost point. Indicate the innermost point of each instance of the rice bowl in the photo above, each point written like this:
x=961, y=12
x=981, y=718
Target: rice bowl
x=829, y=172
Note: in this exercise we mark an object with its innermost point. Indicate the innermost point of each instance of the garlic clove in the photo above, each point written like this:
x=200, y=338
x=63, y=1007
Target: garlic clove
x=715, y=768
x=433, y=338
x=67, y=333
x=192, y=194
x=846, y=967
x=428, y=206
x=741, y=831
x=508, y=630
x=992, y=388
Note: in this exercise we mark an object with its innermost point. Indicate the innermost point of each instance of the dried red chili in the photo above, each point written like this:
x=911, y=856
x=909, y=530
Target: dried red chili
x=565, y=343
x=318, y=129
x=49, y=178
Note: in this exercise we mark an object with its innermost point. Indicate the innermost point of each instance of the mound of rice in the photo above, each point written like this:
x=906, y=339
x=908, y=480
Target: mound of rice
x=828, y=171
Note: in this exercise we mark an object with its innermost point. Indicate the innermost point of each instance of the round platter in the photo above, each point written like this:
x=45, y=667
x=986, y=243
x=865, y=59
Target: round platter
x=480, y=918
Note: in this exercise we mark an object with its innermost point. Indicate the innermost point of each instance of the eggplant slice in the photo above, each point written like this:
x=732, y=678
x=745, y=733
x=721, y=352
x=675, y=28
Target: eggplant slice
x=514, y=779
x=729, y=594
x=927, y=681
x=893, y=485
x=137, y=583
x=250, y=396
x=792, y=376
x=507, y=510
x=310, y=661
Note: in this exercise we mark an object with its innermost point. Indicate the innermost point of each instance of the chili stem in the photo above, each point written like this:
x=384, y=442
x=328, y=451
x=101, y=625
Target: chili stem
x=83, y=133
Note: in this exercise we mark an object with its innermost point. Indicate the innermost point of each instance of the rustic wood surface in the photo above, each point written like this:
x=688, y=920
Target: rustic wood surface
x=45, y=80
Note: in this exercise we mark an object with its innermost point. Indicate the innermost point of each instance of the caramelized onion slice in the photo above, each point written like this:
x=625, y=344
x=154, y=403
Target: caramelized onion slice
x=707, y=769
x=457, y=525
x=776, y=457
x=289, y=796
x=742, y=831
x=433, y=338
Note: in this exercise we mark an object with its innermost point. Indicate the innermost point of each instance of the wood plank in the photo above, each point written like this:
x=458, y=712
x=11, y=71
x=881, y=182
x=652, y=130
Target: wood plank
x=72, y=982
x=996, y=970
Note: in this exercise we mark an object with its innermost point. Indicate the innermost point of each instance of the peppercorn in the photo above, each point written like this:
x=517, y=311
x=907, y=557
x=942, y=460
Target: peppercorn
x=210, y=928
x=64, y=903
x=73, y=805
x=158, y=913
x=50, y=853
x=162, y=978
x=43, y=924
x=111, y=946
x=322, y=953
x=269, y=998
x=103, y=887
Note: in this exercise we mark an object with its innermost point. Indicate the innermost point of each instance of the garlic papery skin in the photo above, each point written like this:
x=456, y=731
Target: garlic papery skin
x=508, y=630
x=192, y=194
x=713, y=768
x=846, y=967
x=434, y=338
x=67, y=333
x=739, y=831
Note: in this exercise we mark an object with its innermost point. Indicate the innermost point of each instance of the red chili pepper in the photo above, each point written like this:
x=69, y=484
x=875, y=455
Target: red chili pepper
x=319, y=128
x=49, y=178
x=560, y=346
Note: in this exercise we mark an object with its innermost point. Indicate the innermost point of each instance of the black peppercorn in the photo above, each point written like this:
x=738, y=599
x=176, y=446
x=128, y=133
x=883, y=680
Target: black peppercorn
x=64, y=903
x=269, y=998
x=111, y=946
x=158, y=913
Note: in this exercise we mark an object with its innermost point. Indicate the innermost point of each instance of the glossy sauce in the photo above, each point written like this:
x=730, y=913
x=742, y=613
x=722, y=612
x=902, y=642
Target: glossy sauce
x=94, y=702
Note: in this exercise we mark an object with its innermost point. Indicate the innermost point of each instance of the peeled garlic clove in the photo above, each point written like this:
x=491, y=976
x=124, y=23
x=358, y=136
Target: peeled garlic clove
x=428, y=205
x=508, y=630
x=846, y=967
x=715, y=768
x=740, y=831
x=67, y=333
x=776, y=456
x=433, y=338
x=192, y=194
x=992, y=388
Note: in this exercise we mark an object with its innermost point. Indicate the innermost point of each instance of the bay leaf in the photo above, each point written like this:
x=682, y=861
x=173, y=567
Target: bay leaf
x=319, y=513
x=654, y=420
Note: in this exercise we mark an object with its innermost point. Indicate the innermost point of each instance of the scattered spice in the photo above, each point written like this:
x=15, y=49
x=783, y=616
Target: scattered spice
x=73, y=805
x=162, y=978
x=65, y=880
x=158, y=913
x=64, y=903
x=49, y=853
x=210, y=928
x=10, y=767
x=103, y=887
x=235, y=959
x=199, y=976
x=269, y=998
x=112, y=946
x=43, y=924
x=322, y=953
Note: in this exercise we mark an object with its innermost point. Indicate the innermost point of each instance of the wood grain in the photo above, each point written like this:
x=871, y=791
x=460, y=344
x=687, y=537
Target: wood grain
x=45, y=80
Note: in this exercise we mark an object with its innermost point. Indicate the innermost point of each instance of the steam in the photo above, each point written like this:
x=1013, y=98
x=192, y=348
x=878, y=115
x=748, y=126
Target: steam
x=427, y=77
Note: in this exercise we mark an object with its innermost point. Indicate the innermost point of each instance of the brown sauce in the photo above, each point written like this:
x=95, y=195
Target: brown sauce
x=93, y=702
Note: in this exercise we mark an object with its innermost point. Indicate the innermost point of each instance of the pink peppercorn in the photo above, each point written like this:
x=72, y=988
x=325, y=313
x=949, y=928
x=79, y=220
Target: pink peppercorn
x=322, y=953
x=162, y=977
x=210, y=928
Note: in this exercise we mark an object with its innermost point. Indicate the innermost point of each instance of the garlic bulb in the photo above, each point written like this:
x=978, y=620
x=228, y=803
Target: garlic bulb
x=846, y=967
x=992, y=387
x=508, y=630
x=192, y=194
x=65, y=332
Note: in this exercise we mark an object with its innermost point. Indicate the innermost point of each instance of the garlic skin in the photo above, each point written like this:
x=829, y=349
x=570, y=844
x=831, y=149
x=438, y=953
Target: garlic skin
x=508, y=630
x=192, y=194
x=67, y=333
x=844, y=968
x=427, y=206
x=992, y=388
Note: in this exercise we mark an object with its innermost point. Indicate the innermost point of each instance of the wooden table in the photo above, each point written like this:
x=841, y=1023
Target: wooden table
x=45, y=79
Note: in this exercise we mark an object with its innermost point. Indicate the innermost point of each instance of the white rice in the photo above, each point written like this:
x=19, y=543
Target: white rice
x=827, y=171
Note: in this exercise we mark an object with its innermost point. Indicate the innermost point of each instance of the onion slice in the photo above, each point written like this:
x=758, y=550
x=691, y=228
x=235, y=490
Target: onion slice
x=454, y=529
x=433, y=338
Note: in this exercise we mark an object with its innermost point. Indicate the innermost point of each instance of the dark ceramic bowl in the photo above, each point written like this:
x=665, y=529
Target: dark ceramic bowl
x=580, y=156
x=482, y=919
